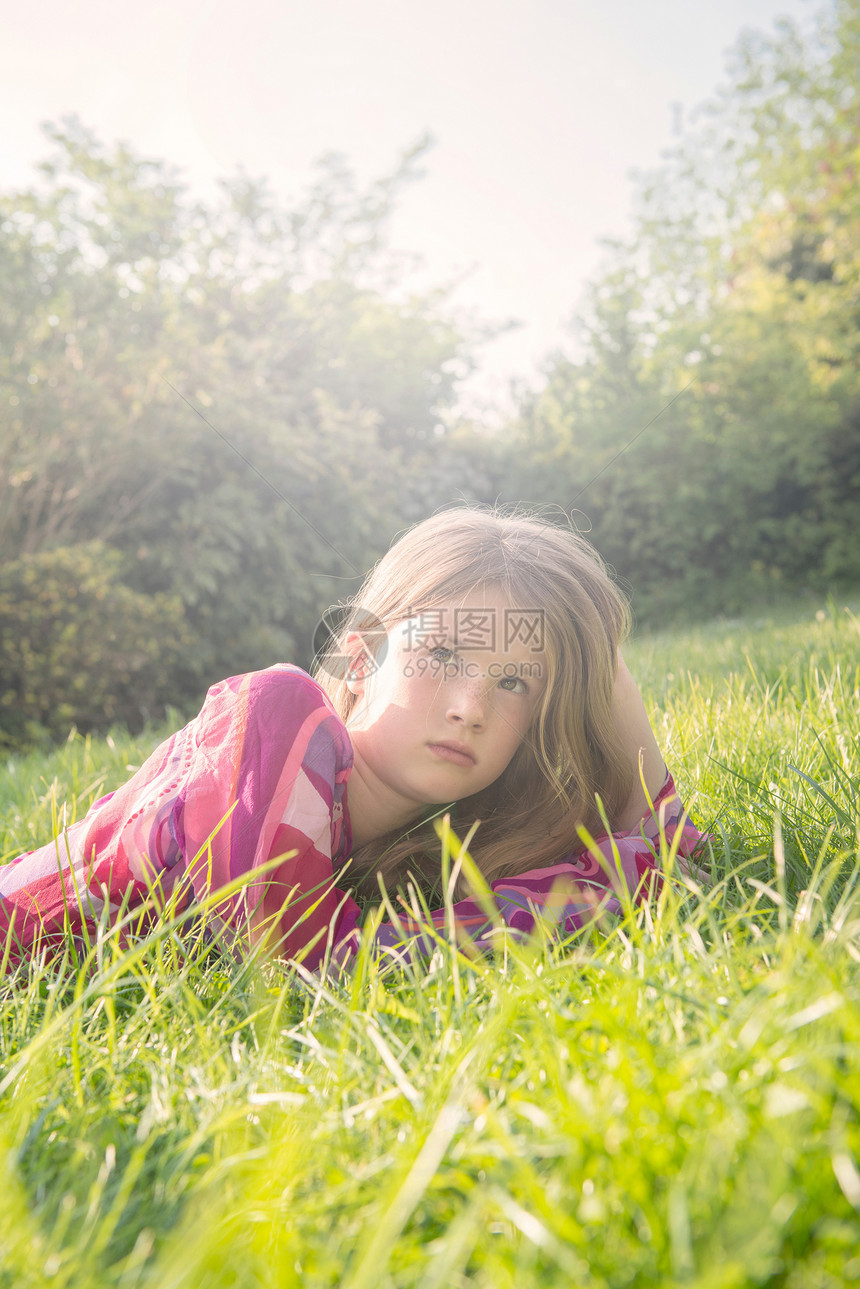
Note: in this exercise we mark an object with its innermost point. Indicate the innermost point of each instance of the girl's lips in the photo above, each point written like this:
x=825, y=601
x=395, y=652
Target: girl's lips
x=457, y=753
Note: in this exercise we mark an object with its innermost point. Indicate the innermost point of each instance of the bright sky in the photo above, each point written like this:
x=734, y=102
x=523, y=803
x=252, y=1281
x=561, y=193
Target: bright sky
x=539, y=108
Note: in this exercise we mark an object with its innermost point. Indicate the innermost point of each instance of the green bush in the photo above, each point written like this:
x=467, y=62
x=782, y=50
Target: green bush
x=77, y=647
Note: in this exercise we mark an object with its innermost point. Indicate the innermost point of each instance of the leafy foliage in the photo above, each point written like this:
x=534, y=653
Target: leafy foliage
x=242, y=401
x=232, y=397
x=79, y=647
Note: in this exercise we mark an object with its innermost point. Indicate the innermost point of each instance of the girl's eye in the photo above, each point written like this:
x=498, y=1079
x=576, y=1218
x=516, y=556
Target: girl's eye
x=513, y=685
x=442, y=654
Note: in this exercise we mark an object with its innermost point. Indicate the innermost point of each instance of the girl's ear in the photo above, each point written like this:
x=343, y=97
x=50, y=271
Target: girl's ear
x=360, y=663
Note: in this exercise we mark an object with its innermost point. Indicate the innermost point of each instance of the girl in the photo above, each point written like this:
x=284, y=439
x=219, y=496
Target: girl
x=478, y=670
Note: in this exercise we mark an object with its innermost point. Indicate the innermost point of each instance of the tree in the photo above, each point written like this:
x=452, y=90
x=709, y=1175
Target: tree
x=709, y=431
x=232, y=397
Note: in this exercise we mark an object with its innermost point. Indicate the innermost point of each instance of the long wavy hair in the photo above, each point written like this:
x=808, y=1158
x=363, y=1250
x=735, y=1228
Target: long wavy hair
x=571, y=753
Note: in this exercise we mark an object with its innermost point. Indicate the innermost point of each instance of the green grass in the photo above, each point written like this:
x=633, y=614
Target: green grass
x=672, y=1101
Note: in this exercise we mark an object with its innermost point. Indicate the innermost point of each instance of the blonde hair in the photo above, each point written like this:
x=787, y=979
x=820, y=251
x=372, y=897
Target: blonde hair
x=529, y=815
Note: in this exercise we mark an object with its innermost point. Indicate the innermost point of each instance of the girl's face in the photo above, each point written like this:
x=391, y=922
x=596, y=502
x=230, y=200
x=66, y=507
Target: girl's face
x=451, y=701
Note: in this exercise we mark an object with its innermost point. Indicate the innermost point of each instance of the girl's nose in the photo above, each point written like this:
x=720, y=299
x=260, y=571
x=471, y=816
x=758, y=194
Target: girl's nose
x=467, y=704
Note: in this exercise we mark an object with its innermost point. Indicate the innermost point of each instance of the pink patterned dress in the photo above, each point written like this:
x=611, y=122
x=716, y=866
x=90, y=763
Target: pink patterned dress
x=250, y=796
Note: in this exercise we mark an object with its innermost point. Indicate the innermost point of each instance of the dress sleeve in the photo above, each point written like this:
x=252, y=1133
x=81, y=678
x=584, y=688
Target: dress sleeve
x=259, y=773
x=567, y=895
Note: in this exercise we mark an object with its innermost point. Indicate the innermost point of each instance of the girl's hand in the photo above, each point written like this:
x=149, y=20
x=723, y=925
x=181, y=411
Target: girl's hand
x=638, y=737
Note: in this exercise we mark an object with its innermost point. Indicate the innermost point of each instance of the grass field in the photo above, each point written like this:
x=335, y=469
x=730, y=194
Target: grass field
x=674, y=1100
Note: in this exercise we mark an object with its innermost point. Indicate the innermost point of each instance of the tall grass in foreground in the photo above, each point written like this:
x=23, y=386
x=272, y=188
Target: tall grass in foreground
x=672, y=1100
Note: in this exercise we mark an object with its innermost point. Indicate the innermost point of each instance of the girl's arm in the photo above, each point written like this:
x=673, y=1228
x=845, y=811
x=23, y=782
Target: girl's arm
x=638, y=738
x=256, y=776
